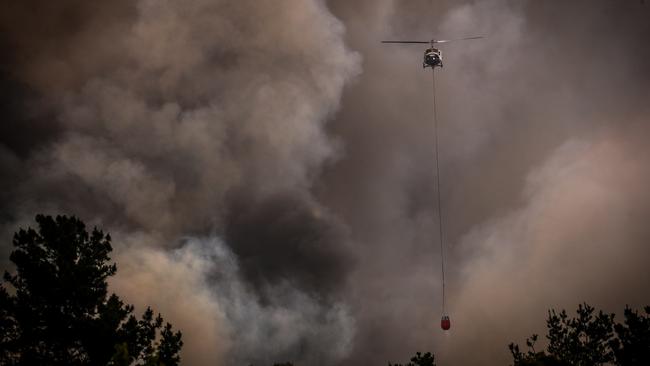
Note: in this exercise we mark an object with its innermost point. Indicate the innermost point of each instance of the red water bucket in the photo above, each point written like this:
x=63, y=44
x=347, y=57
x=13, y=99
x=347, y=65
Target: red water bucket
x=445, y=323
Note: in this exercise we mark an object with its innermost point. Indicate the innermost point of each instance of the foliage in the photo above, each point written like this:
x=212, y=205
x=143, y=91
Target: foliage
x=419, y=359
x=59, y=311
x=590, y=339
x=632, y=347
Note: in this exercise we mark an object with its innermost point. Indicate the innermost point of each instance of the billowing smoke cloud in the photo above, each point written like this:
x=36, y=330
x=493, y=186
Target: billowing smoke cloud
x=290, y=240
x=580, y=236
x=277, y=204
x=204, y=97
x=540, y=127
x=170, y=119
x=229, y=322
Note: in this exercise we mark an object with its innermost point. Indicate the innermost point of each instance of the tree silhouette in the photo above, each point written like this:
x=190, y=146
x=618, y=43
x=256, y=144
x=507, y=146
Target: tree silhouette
x=419, y=359
x=590, y=339
x=632, y=347
x=58, y=311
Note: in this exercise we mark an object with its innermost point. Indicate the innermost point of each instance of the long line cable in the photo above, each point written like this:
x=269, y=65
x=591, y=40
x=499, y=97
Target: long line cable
x=435, y=132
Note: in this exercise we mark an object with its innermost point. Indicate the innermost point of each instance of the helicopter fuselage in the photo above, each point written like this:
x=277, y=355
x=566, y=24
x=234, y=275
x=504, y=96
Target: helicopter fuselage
x=432, y=58
x=432, y=55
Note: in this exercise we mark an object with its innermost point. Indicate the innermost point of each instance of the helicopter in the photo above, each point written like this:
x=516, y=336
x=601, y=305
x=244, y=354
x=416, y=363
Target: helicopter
x=433, y=58
x=432, y=55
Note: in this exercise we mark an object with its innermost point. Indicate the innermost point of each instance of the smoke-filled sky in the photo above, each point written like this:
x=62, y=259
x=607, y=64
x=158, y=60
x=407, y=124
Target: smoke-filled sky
x=266, y=168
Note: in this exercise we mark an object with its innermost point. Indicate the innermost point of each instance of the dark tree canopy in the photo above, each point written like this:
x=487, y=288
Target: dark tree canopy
x=632, y=346
x=57, y=310
x=419, y=359
x=590, y=339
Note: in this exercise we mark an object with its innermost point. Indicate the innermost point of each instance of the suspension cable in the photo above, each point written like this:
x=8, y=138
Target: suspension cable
x=435, y=132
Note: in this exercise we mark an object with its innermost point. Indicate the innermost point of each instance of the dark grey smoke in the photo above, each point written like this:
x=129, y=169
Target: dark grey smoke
x=542, y=159
x=191, y=131
x=292, y=240
x=266, y=167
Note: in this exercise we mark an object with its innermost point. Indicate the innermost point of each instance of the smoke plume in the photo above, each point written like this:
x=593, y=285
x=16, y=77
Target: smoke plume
x=266, y=168
x=161, y=120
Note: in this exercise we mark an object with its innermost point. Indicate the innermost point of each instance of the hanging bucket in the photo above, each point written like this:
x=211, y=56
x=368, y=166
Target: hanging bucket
x=445, y=323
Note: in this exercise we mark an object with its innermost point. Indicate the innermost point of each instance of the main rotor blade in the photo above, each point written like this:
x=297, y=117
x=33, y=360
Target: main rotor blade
x=435, y=40
x=457, y=39
x=424, y=42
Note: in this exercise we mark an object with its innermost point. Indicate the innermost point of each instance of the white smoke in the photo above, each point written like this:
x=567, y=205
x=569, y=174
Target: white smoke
x=226, y=322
